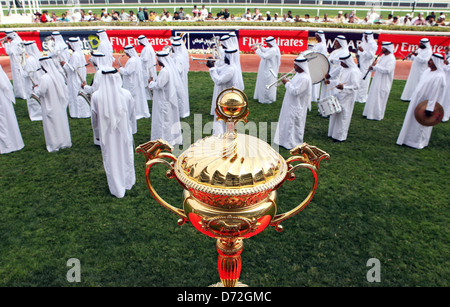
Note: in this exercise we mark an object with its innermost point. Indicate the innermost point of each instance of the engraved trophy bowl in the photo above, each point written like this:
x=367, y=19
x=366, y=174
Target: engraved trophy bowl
x=230, y=183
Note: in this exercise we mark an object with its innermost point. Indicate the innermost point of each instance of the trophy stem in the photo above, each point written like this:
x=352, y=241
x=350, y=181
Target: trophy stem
x=229, y=261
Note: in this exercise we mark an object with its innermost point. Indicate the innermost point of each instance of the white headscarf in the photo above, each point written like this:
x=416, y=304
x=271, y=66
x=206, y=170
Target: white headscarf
x=321, y=34
x=226, y=41
x=343, y=42
x=100, y=61
x=60, y=44
x=129, y=50
x=271, y=41
x=370, y=40
x=438, y=61
x=76, y=45
x=32, y=50
x=234, y=40
x=178, y=51
x=426, y=42
x=104, y=38
x=49, y=67
x=302, y=62
x=176, y=90
x=183, y=48
x=113, y=106
x=389, y=46
x=13, y=35
x=233, y=56
x=144, y=41
x=4, y=80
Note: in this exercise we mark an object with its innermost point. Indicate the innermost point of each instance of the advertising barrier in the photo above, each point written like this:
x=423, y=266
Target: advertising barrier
x=198, y=40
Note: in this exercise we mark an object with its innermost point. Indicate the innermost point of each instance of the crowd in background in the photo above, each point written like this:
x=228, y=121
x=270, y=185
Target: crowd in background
x=145, y=15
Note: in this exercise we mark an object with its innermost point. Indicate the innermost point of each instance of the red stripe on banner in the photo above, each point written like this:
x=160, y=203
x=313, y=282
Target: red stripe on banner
x=121, y=38
x=289, y=41
x=404, y=43
x=25, y=36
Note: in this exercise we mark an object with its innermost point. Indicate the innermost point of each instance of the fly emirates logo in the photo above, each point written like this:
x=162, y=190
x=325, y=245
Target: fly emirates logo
x=281, y=42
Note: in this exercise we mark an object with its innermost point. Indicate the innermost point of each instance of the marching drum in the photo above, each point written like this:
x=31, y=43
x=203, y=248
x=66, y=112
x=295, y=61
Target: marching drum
x=318, y=65
x=329, y=106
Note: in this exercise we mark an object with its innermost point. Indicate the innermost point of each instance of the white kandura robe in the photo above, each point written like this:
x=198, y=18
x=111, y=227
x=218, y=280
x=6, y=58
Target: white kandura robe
x=30, y=69
x=431, y=87
x=54, y=115
x=270, y=60
x=91, y=89
x=116, y=145
x=446, y=98
x=14, y=51
x=380, y=88
x=321, y=48
x=291, y=123
x=183, y=69
x=223, y=78
x=148, y=59
x=10, y=136
x=418, y=66
x=133, y=80
x=366, y=58
x=78, y=106
x=165, y=120
x=340, y=122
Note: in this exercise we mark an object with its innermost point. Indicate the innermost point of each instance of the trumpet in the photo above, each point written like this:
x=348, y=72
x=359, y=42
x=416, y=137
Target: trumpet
x=256, y=45
x=203, y=60
x=278, y=82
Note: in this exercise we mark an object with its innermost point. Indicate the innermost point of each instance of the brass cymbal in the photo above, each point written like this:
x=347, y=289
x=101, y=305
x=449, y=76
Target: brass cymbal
x=434, y=119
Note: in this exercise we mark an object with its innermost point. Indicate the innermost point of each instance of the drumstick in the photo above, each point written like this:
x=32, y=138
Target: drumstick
x=335, y=86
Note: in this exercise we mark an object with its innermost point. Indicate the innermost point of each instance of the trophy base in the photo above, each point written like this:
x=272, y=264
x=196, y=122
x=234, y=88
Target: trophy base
x=220, y=284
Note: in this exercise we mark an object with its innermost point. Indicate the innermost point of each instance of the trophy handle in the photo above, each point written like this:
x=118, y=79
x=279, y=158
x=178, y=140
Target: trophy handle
x=310, y=159
x=152, y=152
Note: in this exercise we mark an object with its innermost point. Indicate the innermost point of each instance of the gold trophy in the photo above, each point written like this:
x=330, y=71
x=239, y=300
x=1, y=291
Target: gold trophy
x=230, y=183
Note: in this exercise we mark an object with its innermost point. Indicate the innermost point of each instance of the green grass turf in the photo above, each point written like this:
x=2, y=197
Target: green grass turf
x=375, y=199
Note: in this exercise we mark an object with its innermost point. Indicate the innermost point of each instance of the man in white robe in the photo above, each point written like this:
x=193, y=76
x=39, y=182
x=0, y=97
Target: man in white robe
x=321, y=47
x=60, y=53
x=182, y=66
x=234, y=44
x=297, y=99
x=32, y=73
x=419, y=64
x=76, y=74
x=110, y=108
x=134, y=81
x=431, y=87
x=366, y=54
x=347, y=85
x=223, y=77
x=269, y=67
x=228, y=43
x=148, y=59
x=381, y=83
x=53, y=97
x=166, y=119
x=105, y=47
x=340, y=49
x=14, y=50
x=10, y=136
x=446, y=103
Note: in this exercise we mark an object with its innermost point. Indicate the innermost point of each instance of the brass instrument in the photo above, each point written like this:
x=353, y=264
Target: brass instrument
x=430, y=119
x=256, y=45
x=278, y=82
x=203, y=60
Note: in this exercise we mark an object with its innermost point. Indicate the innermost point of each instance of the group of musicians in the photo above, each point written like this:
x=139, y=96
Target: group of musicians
x=117, y=98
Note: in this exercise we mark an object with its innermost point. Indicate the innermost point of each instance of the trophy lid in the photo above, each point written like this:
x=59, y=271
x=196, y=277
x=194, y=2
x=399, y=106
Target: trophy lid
x=231, y=163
